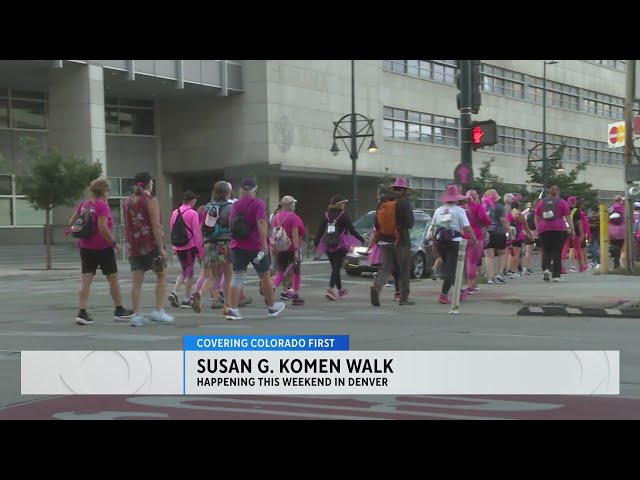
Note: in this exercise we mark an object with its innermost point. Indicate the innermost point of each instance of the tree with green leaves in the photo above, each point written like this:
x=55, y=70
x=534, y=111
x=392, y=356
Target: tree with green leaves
x=567, y=181
x=487, y=180
x=55, y=180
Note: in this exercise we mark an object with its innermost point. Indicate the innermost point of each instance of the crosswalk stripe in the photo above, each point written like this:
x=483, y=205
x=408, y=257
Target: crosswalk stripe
x=613, y=311
x=574, y=311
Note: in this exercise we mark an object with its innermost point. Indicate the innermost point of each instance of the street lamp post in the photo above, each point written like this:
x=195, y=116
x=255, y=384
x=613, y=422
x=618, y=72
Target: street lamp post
x=359, y=127
x=544, y=125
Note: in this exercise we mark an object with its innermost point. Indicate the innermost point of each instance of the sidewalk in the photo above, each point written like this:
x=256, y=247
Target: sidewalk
x=18, y=261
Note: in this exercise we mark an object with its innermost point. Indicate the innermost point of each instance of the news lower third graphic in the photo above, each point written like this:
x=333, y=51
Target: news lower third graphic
x=315, y=365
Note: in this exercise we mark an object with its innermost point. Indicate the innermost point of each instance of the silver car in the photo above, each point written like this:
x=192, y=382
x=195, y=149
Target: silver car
x=356, y=262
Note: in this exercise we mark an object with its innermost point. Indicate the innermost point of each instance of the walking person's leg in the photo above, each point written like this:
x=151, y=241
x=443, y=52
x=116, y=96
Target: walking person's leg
x=403, y=260
x=557, y=242
x=335, y=274
x=385, y=269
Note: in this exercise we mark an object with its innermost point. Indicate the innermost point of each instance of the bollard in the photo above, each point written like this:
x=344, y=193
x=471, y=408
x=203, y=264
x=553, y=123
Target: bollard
x=604, y=239
x=462, y=253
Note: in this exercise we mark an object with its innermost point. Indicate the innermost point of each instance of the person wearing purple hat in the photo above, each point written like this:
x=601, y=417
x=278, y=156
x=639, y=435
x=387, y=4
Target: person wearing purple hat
x=394, y=219
x=448, y=225
x=249, y=245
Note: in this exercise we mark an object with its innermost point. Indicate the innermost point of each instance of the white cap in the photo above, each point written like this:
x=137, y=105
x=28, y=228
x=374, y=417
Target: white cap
x=636, y=204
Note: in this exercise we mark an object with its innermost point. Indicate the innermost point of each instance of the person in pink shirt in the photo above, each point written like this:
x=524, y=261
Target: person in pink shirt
x=194, y=248
x=516, y=219
x=479, y=221
x=289, y=259
x=98, y=250
x=617, y=230
x=552, y=216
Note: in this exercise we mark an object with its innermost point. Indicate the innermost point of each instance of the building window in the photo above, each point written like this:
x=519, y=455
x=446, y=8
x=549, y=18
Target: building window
x=502, y=82
x=128, y=117
x=599, y=153
x=615, y=64
x=438, y=70
x=603, y=105
x=23, y=109
x=571, y=152
x=510, y=140
x=413, y=126
x=15, y=210
x=558, y=94
x=428, y=190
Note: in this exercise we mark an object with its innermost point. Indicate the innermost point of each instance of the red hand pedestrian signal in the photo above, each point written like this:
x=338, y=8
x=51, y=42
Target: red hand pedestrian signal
x=483, y=134
x=477, y=135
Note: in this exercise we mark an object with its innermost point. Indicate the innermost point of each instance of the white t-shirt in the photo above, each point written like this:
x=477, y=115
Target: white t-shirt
x=450, y=213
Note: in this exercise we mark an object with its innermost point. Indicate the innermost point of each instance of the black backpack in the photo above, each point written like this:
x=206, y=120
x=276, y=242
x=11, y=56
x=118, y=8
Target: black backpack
x=550, y=207
x=83, y=226
x=239, y=227
x=179, y=235
x=332, y=234
x=531, y=222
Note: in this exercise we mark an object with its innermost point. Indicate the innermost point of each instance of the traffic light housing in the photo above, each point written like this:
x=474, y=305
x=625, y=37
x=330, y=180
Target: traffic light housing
x=483, y=134
x=476, y=85
x=459, y=94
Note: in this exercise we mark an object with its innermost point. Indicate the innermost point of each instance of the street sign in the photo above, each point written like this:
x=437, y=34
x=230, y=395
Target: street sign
x=615, y=134
x=463, y=175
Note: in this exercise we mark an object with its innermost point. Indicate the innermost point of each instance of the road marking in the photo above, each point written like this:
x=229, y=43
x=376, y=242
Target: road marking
x=573, y=311
x=613, y=311
x=230, y=325
x=536, y=310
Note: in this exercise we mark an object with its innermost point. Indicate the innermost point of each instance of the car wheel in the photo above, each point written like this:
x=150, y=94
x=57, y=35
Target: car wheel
x=418, y=269
x=353, y=272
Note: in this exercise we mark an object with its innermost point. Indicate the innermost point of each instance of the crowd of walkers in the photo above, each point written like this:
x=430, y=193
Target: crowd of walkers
x=226, y=235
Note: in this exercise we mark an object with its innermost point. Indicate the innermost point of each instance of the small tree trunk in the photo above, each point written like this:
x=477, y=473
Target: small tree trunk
x=48, y=239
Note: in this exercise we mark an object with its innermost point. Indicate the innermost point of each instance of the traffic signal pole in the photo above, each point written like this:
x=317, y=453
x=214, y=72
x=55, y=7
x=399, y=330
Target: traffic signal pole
x=465, y=112
x=628, y=159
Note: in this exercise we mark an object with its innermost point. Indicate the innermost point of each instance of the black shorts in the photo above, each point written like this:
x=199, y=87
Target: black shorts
x=105, y=258
x=497, y=241
x=143, y=262
x=517, y=243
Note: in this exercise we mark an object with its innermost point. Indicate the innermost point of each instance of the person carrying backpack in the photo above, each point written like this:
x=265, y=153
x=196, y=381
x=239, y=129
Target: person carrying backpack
x=336, y=235
x=552, y=216
x=286, y=241
x=394, y=219
x=449, y=225
x=92, y=224
x=249, y=245
x=186, y=239
x=617, y=230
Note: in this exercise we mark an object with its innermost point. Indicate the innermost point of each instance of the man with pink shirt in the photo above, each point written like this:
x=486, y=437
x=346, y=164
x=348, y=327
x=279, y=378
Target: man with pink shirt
x=552, y=216
x=193, y=248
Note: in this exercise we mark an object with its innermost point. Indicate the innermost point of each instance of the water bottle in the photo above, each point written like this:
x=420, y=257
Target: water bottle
x=259, y=257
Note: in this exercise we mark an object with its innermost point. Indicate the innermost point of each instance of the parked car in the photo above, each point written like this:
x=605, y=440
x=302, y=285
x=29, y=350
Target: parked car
x=356, y=261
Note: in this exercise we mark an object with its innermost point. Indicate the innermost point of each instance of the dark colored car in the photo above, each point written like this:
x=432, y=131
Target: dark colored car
x=356, y=261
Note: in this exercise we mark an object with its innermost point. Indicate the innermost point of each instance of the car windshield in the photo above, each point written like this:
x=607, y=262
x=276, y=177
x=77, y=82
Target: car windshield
x=417, y=232
x=365, y=222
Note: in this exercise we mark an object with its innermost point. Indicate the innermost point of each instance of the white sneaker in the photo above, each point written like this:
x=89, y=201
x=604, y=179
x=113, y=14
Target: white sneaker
x=234, y=314
x=138, y=321
x=160, y=316
x=546, y=276
x=276, y=309
x=557, y=279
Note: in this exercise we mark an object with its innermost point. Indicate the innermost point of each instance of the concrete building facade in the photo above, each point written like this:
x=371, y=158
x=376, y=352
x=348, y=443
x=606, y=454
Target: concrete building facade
x=193, y=122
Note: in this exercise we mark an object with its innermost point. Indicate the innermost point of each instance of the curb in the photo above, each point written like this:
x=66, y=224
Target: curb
x=578, y=312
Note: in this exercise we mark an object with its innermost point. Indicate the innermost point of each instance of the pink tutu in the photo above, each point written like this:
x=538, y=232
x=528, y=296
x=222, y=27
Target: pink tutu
x=347, y=242
x=374, y=258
